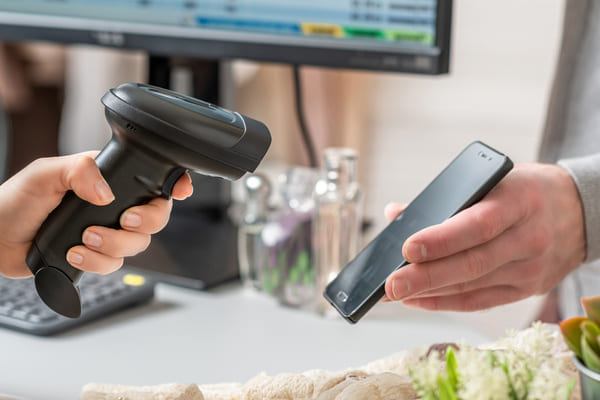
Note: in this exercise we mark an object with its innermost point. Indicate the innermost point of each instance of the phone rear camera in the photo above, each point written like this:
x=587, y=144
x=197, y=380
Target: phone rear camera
x=342, y=296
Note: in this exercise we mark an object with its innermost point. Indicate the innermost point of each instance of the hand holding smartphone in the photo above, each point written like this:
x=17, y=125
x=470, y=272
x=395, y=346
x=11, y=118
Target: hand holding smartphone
x=465, y=181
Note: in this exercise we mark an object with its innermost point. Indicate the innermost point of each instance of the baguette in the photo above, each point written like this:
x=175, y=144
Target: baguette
x=100, y=391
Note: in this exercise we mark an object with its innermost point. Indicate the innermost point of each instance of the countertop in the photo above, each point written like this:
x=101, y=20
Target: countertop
x=224, y=335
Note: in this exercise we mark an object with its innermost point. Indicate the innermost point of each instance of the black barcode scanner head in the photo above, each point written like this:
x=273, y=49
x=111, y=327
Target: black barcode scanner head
x=158, y=134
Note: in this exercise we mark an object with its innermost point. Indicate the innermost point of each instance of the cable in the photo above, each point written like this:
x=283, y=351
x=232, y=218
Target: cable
x=306, y=139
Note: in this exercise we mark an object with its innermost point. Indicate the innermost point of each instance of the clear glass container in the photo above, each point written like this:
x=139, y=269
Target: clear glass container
x=252, y=252
x=337, y=218
x=294, y=257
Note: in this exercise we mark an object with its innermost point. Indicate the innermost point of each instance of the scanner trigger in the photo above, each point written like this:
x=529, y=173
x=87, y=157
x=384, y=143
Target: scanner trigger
x=167, y=187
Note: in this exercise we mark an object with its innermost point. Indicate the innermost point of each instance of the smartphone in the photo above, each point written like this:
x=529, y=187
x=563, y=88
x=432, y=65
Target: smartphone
x=466, y=180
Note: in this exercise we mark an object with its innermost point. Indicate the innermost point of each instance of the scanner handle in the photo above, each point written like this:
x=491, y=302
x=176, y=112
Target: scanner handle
x=135, y=178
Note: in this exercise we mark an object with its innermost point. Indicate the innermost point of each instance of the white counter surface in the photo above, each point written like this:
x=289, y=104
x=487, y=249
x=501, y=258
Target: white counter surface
x=227, y=335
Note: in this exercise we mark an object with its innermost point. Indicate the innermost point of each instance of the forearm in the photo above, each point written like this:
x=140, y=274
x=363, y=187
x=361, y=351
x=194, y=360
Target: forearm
x=585, y=171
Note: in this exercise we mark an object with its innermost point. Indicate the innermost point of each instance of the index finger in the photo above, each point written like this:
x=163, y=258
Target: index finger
x=183, y=187
x=471, y=227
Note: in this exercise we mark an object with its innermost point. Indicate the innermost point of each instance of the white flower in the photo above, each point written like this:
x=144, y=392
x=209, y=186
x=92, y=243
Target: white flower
x=424, y=371
x=479, y=380
x=549, y=383
x=526, y=365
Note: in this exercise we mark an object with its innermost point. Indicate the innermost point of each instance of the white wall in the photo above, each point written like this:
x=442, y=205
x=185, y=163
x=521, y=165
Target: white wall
x=503, y=59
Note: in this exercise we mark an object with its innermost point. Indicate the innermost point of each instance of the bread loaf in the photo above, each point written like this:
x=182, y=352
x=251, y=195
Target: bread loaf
x=99, y=391
x=383, y=379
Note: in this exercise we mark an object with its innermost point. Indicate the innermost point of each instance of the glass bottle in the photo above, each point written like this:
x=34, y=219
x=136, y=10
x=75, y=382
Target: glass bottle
x=252, y=252
x=337, y=221
x=294, y=259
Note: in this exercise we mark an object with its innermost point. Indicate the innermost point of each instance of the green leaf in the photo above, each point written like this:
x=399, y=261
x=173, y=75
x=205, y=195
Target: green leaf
x=294, y=275
x=303, y=261
x=571, y=331
x=310, y=276
x=269, y=281
x=446, y=392
x=512, y=393
x=591, y=305
x=590, y=358
x=452, y=369
x=570, y=387
x=492, y=360
x=591, y=332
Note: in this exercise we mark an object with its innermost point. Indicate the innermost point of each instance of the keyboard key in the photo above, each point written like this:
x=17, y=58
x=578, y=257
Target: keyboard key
x=19, y=314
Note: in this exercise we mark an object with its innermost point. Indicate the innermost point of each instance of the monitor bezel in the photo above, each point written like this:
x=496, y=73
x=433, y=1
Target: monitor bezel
x=215, y=44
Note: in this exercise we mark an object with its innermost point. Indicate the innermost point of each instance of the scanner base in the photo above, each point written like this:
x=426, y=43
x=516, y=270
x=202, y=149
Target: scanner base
x=58, y=291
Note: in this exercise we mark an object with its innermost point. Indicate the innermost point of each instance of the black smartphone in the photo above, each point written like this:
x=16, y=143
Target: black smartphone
x=466, y=180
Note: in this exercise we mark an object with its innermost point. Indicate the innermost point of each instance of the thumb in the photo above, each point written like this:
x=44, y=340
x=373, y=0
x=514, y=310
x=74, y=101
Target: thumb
x=77, y=172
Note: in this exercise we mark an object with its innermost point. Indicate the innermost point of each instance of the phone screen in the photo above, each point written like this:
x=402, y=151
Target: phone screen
x=464, y=181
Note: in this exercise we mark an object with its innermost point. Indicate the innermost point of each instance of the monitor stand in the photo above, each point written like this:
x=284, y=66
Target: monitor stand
x=198, y=247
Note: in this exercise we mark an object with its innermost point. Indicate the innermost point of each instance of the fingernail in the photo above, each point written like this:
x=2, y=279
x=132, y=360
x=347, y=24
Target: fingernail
x=131, y=220
x=74, y=258
x=415, y=252
x=103, y=191
x=389, y=207
x=400, y=288
x=92, y=239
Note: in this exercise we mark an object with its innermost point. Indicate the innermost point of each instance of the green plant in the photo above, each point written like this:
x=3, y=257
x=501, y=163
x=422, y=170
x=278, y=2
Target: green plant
x=522, y=367
x=582, y=334
x=446, y=385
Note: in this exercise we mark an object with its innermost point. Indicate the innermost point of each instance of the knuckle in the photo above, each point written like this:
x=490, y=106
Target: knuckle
x=441, y=242
x=463, y=287
x=426, y=278
x=533, y=271
x=111, y=246
x=475, y=264
x=112, y=251
x=39, y=163
x=544, y=286
x=534, y=197
x=489, y=222
x=81, y=164
x=539, y=239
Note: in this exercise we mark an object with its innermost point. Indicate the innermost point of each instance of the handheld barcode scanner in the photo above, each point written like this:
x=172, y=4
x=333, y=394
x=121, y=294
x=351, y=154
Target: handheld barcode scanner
x=157, y=135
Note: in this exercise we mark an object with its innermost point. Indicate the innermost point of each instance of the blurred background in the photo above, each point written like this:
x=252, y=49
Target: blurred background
x=406, y=128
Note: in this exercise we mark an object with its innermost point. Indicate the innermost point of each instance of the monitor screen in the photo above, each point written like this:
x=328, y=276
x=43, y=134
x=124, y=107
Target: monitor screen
x=392, y=35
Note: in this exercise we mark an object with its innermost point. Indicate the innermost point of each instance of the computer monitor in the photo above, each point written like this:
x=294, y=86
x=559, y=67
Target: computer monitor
x=389, y=35
x=198, y=247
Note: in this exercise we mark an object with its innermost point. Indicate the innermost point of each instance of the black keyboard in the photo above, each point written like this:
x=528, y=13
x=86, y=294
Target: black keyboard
x=21, y=309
